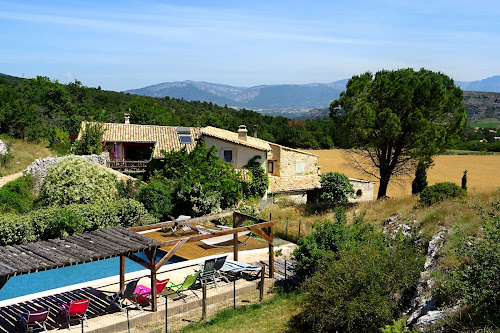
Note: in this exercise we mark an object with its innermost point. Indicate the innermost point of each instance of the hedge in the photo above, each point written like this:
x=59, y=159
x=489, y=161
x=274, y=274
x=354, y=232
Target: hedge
x=54, y=222
x=440, y=191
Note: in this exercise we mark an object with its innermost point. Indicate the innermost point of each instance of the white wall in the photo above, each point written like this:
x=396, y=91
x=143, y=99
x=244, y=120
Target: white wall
x=241, y=154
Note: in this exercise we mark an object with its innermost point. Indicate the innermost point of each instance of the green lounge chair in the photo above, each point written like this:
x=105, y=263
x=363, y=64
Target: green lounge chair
x=179, y=288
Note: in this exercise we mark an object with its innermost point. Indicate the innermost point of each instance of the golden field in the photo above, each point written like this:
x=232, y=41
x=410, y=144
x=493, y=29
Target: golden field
x=483, y=171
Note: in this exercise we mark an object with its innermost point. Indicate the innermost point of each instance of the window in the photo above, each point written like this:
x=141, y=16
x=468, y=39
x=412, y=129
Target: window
x=299, y=167
x=185, y=139
x=270, y=167
x=228, y=156
x=359, y=193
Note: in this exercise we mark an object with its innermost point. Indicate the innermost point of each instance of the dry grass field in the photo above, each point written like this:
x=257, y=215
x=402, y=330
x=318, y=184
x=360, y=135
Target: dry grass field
x=483, y=171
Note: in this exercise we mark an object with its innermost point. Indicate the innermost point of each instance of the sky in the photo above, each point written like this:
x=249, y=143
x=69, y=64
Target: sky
x=122, y=45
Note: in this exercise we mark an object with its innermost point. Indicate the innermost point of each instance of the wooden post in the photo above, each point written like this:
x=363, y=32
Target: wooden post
x=271, y=253
x=262, y=274
x=235, y=240
x=204, y=300
x=122, y=272
x=154, y=299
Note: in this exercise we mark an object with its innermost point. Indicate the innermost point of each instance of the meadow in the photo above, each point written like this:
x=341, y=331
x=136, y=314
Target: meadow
x=483, y=171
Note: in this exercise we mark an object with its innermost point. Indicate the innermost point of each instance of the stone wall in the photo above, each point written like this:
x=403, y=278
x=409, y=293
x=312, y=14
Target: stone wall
x=363, y=190
x=288, y=158
x=38, y=169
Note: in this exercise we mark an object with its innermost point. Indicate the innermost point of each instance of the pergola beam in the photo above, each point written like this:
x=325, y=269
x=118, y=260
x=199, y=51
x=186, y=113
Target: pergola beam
x=172, y=223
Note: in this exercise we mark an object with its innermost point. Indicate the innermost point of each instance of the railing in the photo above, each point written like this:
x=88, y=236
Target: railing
x=128, y=165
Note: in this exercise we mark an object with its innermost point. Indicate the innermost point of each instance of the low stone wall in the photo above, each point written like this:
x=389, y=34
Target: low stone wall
x=363, y=190
x=38, y=169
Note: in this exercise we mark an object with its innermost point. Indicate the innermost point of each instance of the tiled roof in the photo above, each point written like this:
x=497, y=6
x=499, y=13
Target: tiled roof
x=165, y=137
x=293, y=183
x=233, y=137
x=292, y=149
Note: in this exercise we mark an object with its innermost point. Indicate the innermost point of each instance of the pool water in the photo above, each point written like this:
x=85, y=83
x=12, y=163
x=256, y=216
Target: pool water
x=66, y=276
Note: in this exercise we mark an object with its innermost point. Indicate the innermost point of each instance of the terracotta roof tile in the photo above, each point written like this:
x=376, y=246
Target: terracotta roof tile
x=233, y=137
x=165, y=137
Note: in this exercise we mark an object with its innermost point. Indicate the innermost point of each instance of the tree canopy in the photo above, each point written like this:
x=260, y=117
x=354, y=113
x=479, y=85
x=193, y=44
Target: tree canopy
x=395, y=118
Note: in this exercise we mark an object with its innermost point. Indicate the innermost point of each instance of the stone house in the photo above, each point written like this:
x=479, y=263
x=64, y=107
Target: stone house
x=292, y=172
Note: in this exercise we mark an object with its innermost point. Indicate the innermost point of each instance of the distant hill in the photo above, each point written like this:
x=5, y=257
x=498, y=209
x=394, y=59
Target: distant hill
x=491, y=84
x=268, y=98
x=304, y=100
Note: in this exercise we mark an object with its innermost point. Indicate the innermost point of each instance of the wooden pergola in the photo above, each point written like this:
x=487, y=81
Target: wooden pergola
x=124, y=243
x=72, y=250
x=261, y=227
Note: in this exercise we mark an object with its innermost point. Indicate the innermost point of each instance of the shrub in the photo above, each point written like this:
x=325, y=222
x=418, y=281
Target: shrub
x=16, y=229
x=53, y=222
x=361, y=288
x=75, y=180
x=336, y=188
x=16, y=196
x=5, y=159
x=420, y=181
x=440, y=191
x=91, y=141
x=327, y=237
x=203, y=181
x=156, y=196
x=260, y=181
x=476, y=278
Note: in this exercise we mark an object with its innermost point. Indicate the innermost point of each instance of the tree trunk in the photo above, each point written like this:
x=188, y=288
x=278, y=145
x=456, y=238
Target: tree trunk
x=385, y=176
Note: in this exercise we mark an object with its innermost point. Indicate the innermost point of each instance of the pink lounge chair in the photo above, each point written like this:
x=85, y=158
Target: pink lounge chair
x=143, y=295
x=76, y=310
x=34, y=320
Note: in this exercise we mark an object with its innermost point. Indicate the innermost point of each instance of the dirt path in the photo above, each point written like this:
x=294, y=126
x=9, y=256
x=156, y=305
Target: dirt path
x=6, y=179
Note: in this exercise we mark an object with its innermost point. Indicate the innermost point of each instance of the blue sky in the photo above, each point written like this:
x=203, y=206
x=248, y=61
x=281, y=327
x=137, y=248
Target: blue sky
x=130, y=44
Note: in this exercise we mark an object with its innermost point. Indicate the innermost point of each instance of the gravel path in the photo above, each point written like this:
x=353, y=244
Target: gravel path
x=6, y=179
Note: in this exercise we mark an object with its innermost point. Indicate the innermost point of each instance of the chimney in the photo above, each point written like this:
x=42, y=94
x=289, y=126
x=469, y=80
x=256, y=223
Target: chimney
x=127, y=118
x=242, y=133
x=255, y=130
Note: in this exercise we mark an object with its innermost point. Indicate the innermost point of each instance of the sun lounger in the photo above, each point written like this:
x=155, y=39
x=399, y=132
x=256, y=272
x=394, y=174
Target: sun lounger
x=128, y=298
x=236, y=267
x=75, y=311
x=143, y=292
x=179, y=288
x=34, y=321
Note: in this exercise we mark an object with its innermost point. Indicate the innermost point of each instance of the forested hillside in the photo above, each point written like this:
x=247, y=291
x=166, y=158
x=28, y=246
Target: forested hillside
x=41, y=109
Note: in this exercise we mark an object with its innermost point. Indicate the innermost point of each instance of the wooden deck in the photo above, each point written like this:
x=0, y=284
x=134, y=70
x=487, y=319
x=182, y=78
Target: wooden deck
x=196, y=250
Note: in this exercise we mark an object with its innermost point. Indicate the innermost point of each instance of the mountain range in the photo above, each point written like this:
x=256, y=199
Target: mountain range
x=295, y=100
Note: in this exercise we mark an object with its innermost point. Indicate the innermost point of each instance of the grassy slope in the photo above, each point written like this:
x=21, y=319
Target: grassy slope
x=24, y=153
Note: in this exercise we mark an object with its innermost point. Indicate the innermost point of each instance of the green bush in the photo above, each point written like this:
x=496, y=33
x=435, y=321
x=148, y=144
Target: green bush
x=327, y=237
x=336, y=187
x=16, y=229
x=259, y=180
x=361, y=288
x=16, y=196
x=156, y=196
x=204, y=182
x=440, y=191
x=476, y=279
x=54, y=222
x=75, y=180
x=91, y=141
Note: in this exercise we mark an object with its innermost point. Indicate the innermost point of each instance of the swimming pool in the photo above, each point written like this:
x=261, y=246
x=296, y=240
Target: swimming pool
x=56, y=278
